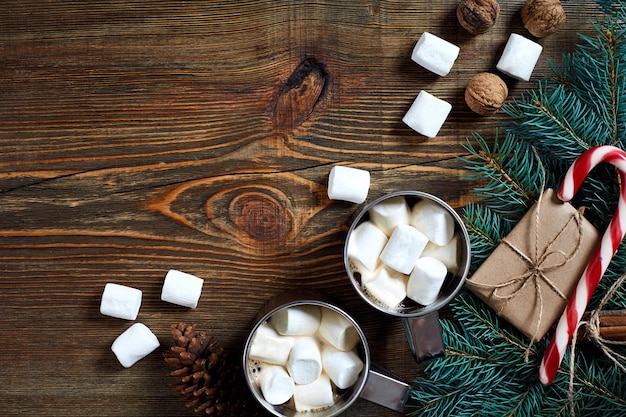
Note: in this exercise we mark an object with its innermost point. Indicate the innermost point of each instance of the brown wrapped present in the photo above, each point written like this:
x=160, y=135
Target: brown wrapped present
x=534, y=270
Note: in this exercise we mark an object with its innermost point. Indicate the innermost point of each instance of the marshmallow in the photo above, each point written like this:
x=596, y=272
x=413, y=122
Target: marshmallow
x=519, y=57
x=305, y=361
x=366, y=243
x=134, y=344
x=348, y=184
x=314, y=396
x=389, y=287
x=338, y=330
x=276, y=385
x=404, y=248
x=427, y=114
x=434, y=221
x=435, y=54
x=366, y=274
x=297, y=320
x=426, y=280
x=448, y=254
x=120, y=301
x=342, y=367
x=268, y=346
x=389, y=213
x=181, y=288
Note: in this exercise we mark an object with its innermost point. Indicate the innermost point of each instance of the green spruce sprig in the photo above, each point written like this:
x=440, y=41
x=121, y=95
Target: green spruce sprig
x=484, y=371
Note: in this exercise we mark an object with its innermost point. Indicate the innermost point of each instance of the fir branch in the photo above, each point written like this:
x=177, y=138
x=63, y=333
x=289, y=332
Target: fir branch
x=485, y=229
x=595, y=74
x=484, y=372
x=484, y=360
x=555, y=122
x=513, y=173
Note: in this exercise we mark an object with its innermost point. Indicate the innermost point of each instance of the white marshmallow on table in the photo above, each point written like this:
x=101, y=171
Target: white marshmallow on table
x=268, y=346
x=181, y=288
x=276, y=385
x=435, y=54
x=305, y=360
x=134, y=344
x=389, y=287
x=337, y=330
x=448, y=253
x=366, y=243
x=433, y=220
x=313, y=396
x=120, y=301
x=343, y=367
x=427, y=114
x=426, y=280
x=519, y=57
x=348, y=184
x=297, y=320
x=404, y=248
x=389, y=213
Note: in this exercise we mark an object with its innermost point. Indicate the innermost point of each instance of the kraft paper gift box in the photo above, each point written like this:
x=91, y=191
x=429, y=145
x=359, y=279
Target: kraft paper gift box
x=531, y=274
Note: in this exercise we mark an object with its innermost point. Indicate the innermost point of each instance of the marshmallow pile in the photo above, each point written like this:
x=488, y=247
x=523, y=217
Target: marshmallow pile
x=428, y=113
x=303, y=355
x=123, y=302
x=404, y=252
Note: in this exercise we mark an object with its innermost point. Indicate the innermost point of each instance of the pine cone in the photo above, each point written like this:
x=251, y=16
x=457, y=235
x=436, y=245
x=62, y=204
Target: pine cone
x=209, y=380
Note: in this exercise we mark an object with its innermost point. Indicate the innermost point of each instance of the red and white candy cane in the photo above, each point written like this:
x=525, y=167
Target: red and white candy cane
x=598, y=262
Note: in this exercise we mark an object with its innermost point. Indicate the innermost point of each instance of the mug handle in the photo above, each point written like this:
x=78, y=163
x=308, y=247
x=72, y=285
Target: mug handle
x=384, y=388
x=425, y=336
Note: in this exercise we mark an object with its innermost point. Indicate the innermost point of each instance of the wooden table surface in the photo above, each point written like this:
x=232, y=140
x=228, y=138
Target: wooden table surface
x=143, y=136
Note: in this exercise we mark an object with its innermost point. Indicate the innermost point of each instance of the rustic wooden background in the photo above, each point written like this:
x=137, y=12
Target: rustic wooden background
x=139, y=136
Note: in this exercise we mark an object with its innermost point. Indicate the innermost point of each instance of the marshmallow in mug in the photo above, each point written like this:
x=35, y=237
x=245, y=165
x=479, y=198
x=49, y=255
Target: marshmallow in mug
x=134, y=344
x=389, y=213
x=297, y=320
x=120, y=301
x=268, y=346
x=343, y=367
x=369, y=241
x=276, y=385
x=181, y=288
x=427, y=114
x=426, y=280
x=336, y=330
x=305, y=360
x=314, y=396
x=519, y=57
x=435, y=54
x=404, y=248
x=348, y=184
x=388, y=286
x=433, y=220
x=448, y=253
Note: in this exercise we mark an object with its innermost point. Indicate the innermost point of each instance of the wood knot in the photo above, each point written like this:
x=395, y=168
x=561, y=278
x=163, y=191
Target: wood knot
x=260, y=217
x=297, y=99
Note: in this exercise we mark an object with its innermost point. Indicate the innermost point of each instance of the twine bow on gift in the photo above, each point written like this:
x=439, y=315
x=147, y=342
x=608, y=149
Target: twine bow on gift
x=538, y=265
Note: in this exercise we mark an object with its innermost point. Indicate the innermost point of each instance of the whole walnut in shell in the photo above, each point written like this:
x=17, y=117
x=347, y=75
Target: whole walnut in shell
x=543, y=17
x=477, y=16
x=485, y=93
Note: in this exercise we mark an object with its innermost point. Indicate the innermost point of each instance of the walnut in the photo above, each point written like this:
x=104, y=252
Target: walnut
x=477, y=16
x=543, y=17
x=485, y=93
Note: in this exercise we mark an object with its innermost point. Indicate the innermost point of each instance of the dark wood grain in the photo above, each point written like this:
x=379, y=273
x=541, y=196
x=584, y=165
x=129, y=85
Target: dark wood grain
x=140, y=136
